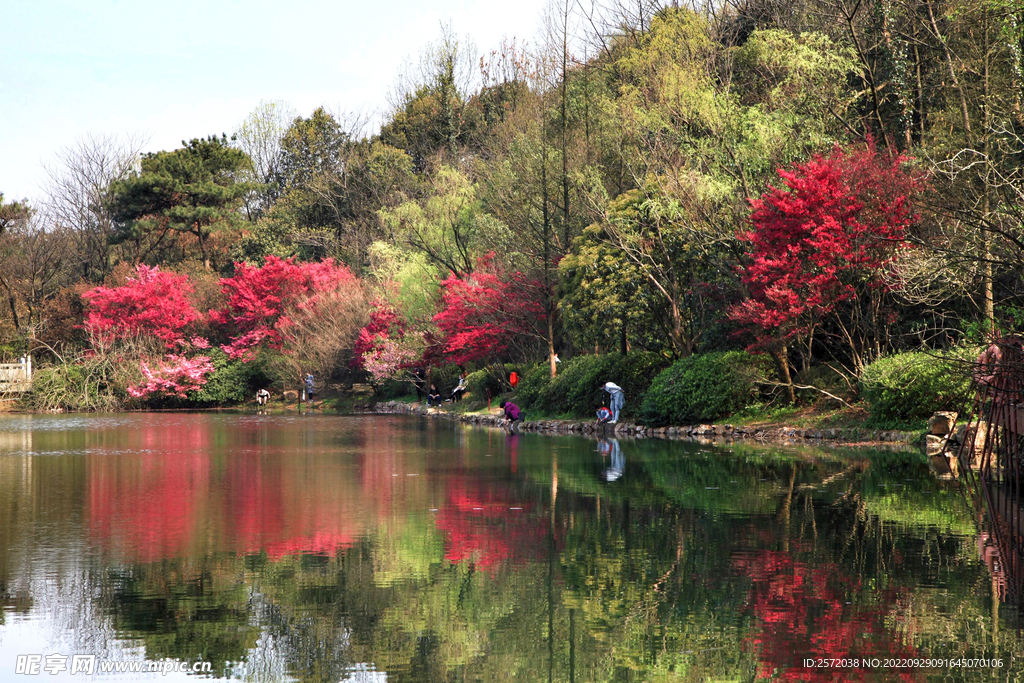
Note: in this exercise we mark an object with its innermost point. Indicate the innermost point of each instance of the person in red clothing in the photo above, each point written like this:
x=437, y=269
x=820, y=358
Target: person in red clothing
x=513, y=380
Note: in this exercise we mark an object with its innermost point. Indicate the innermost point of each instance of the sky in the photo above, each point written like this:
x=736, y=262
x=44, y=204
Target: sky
x=172, y=71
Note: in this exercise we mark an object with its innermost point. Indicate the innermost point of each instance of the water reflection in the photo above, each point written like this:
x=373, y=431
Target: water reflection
x=327, y=549
x=610, y=450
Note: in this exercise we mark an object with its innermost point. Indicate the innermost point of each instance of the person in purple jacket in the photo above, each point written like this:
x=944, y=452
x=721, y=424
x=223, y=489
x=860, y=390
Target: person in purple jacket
x=512, y=413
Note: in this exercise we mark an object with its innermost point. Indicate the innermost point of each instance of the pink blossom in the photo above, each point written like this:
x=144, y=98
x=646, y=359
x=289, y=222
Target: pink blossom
x=175, y=377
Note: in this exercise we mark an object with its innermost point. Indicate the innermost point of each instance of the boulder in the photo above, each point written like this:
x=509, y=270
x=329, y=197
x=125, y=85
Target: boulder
x=944, y=466
x=941, y=423
x=933, y=444
x=291, y=395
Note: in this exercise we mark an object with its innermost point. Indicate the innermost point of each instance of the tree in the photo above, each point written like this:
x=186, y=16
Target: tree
x=192, y=191
x=34, y=265
x=429, y=101
x=607, y=302
x=520, y=190
x=151, y=304
x=283, y=304
x=260, y=137
x=332, y=188
x=820, y=244
x=79, y=196
x=446, y=225
x=673, y=251
x=482, y=314
x=12, y=213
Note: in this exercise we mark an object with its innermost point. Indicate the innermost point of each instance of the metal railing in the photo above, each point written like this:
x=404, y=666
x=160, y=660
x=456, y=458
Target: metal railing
x=991, y=462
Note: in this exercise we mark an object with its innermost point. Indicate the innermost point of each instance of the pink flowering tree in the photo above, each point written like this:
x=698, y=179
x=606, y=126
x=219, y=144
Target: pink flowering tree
x=175, y=376
x=386, y=347
x=389, y=358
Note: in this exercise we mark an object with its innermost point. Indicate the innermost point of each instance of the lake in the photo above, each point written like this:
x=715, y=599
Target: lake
x=398, y=548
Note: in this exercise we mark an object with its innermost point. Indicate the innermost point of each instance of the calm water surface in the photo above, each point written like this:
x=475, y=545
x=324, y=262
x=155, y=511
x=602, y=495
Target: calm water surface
x=323, y=548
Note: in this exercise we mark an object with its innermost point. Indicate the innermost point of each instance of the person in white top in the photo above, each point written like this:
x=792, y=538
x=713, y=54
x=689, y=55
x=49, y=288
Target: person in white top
x=617, y=401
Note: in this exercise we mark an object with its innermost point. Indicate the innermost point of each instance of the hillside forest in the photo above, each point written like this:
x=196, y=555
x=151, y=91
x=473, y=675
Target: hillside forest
x=819, y=185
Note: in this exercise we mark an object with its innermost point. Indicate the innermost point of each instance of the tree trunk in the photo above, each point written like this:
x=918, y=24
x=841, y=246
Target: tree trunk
x=551, y=346
x=679, y=341
x=989, y=288
x=12, y=304
x=202, y=249
x=781, y=357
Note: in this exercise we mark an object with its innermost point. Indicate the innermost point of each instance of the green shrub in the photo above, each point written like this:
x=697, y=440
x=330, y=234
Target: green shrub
x=635, y=374
x=533, y=381
x=486, y=383
x=704, y=387
x=231, y=381
x=85, y=384
x=909, y=387
x=577, y=390
x=391, y=389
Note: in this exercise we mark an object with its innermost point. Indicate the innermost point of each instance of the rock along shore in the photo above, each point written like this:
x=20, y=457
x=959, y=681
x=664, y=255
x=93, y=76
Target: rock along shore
x=699, y=432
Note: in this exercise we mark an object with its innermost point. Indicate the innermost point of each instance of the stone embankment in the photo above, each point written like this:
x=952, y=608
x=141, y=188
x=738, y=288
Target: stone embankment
x=702, y=432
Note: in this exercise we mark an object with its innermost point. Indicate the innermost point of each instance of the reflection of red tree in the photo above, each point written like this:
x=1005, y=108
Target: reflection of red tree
x=147, y=503
x=480, y=525
x=802, y=613
x=285, y=508
x=162, y=498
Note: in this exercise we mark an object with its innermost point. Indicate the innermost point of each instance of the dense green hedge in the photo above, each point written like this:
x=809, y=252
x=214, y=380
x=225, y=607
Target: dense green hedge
x=577, y=388
x=532, y=383
x=704, y=387
x=231, y=382
x=909, y=387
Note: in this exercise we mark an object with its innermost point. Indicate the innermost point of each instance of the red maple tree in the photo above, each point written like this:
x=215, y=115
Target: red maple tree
x=821, y=242
x=152, y=303
x=259, y=297
x=482, y=312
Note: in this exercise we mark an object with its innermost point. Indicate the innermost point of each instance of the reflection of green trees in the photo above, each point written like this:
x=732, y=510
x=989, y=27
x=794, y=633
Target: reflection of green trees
x=181, y=611
x=650, y=597
x=647, y=578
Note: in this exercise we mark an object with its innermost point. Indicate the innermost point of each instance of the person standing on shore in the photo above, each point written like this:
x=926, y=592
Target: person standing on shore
x=617, y=401
x=310, y=389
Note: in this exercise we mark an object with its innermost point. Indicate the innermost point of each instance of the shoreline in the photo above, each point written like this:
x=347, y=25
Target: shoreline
x=702, y=433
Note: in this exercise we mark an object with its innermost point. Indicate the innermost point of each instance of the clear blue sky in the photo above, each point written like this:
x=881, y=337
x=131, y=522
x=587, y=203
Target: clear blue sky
x=185, y=69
